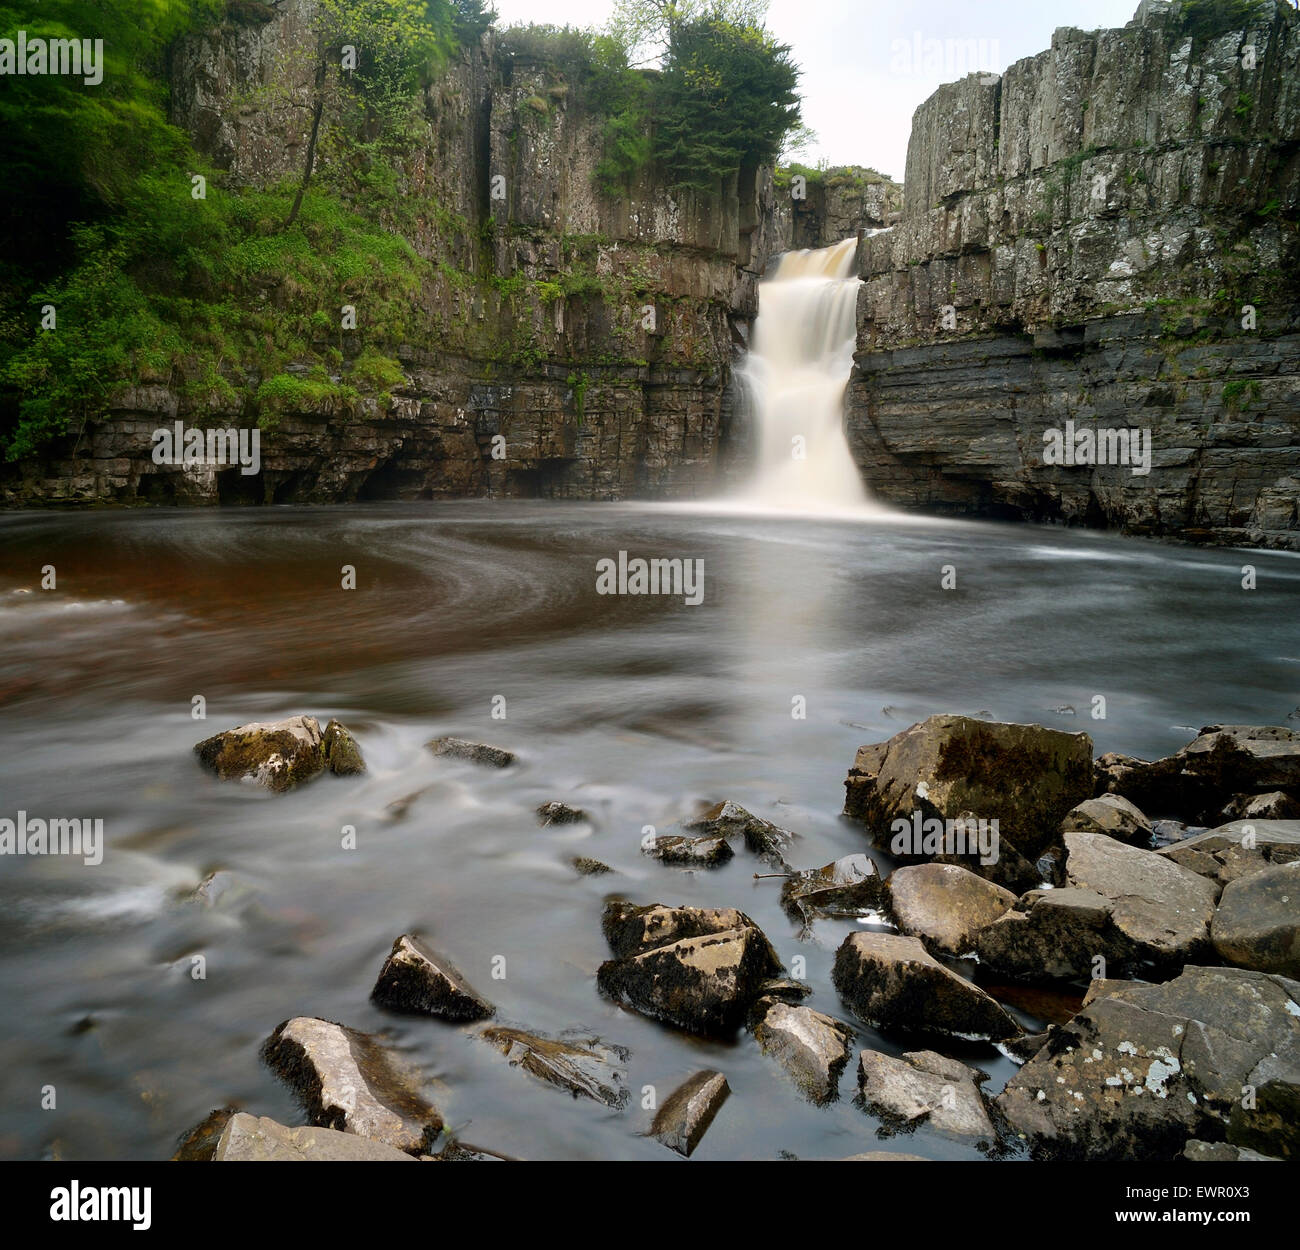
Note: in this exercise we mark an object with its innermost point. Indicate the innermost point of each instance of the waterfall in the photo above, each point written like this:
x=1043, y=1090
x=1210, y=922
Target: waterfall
x=792, y=383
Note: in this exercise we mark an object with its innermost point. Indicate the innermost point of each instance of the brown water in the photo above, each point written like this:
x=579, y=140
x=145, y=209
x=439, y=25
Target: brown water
x=636, y=709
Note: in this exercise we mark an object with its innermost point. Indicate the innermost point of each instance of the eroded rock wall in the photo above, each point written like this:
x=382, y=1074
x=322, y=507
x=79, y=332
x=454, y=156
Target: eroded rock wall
x=1105, y=235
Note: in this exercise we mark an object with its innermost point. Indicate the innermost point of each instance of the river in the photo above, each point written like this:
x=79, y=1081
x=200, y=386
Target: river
x=637, y=709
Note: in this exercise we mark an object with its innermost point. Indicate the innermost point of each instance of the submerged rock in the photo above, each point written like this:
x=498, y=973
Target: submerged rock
x=560, y=814
x=688, y=1111
x=925, y=1088
x=1142, y=1069
x=706, y=852
x=944, y=905
x=1238, y=848
x=1111, y=814
x=1257, y=924
x=257, y=1139
x=341, y=751
x=414, y=979
x=590, y=867
x=811, y=1047
x=1162, y=908
x=847, y=887
x=276, y=754
x=200, y=1143
x=730, y=820
x=1024, y=776
x=674, y=964
x=584, y=1066
x=894, y=984
x=349, y=1081
x=472, y=752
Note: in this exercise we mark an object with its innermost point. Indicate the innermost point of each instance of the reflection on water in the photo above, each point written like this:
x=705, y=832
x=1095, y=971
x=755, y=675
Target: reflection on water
x=634, y=708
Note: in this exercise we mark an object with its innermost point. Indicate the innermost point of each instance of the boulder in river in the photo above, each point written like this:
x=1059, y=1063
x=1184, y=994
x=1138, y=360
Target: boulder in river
x=582, y=1065
x=705, y=852
x=702, y=981
x=1238, y=848
x=944, y=905
x=257, y=1139
x=630, y=929
x=688, y=1111
x=1162, y=908
x=276, y=754
x=1056, y=935
x=589, y=867
x=847, y=887
x=925, y=1088
x=1025, y=777
x=342, y=754
x=556, y=813
x=414, y=979
x=349, y=1081
x=730, y=820
x=895, y=985
x=1257, y=924
x=1111, y=814
x=200, y=1143
x=472, y=752
x=1142, y=1069
x=811, y=1047
x=1275, y=805
x=1223, y=764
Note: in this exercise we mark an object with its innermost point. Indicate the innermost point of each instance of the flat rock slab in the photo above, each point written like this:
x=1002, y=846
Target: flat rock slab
x=349, y=1081
x=925, y=1088
x=414, y=979
x=1113, y=815
x=257, y=1139
x=1257, y=924
x=584, y=1066
x=688, y=1111
x=1238, y=848
x=706, y=852
x=944, y=905
x=894, y=984
x=1143, y=1069
x=472, y=752
x=702, y=984
x=847, y=887
x=1024, y=776
x=811, y=1047
x=1162, y=908
x=730, y=820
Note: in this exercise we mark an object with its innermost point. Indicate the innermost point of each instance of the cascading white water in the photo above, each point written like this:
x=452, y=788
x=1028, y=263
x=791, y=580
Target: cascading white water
x=792, y=383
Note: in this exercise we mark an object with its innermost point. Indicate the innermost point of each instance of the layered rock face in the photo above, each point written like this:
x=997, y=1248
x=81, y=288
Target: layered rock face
x=826, y=209
x=568, y=343
x=1106, y=236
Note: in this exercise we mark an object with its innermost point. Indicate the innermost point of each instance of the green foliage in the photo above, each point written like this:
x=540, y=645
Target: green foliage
x=1204, y=19
x=374, y=371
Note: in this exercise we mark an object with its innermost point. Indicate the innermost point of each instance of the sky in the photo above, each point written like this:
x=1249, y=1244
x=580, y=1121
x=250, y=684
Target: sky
x=867, y=64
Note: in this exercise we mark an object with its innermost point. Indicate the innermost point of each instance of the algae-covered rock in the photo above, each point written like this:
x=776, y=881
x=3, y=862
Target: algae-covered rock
x=414, y=979
x=341, y=751
x=584, y=1066
x=276, y=754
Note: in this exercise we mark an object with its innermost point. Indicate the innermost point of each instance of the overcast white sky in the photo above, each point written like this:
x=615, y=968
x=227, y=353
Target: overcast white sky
x=861, y=80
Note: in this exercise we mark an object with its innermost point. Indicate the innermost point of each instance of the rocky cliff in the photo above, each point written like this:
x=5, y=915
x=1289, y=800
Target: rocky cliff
x=1106, y=235
x=567, y=343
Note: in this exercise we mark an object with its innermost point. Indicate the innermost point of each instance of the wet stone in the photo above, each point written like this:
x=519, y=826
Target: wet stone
x=688, y=1111
x=472, y=752
x=414, y=979
x=582, y=1065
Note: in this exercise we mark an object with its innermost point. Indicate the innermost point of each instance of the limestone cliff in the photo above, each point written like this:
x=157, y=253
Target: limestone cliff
x=1107, y=234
